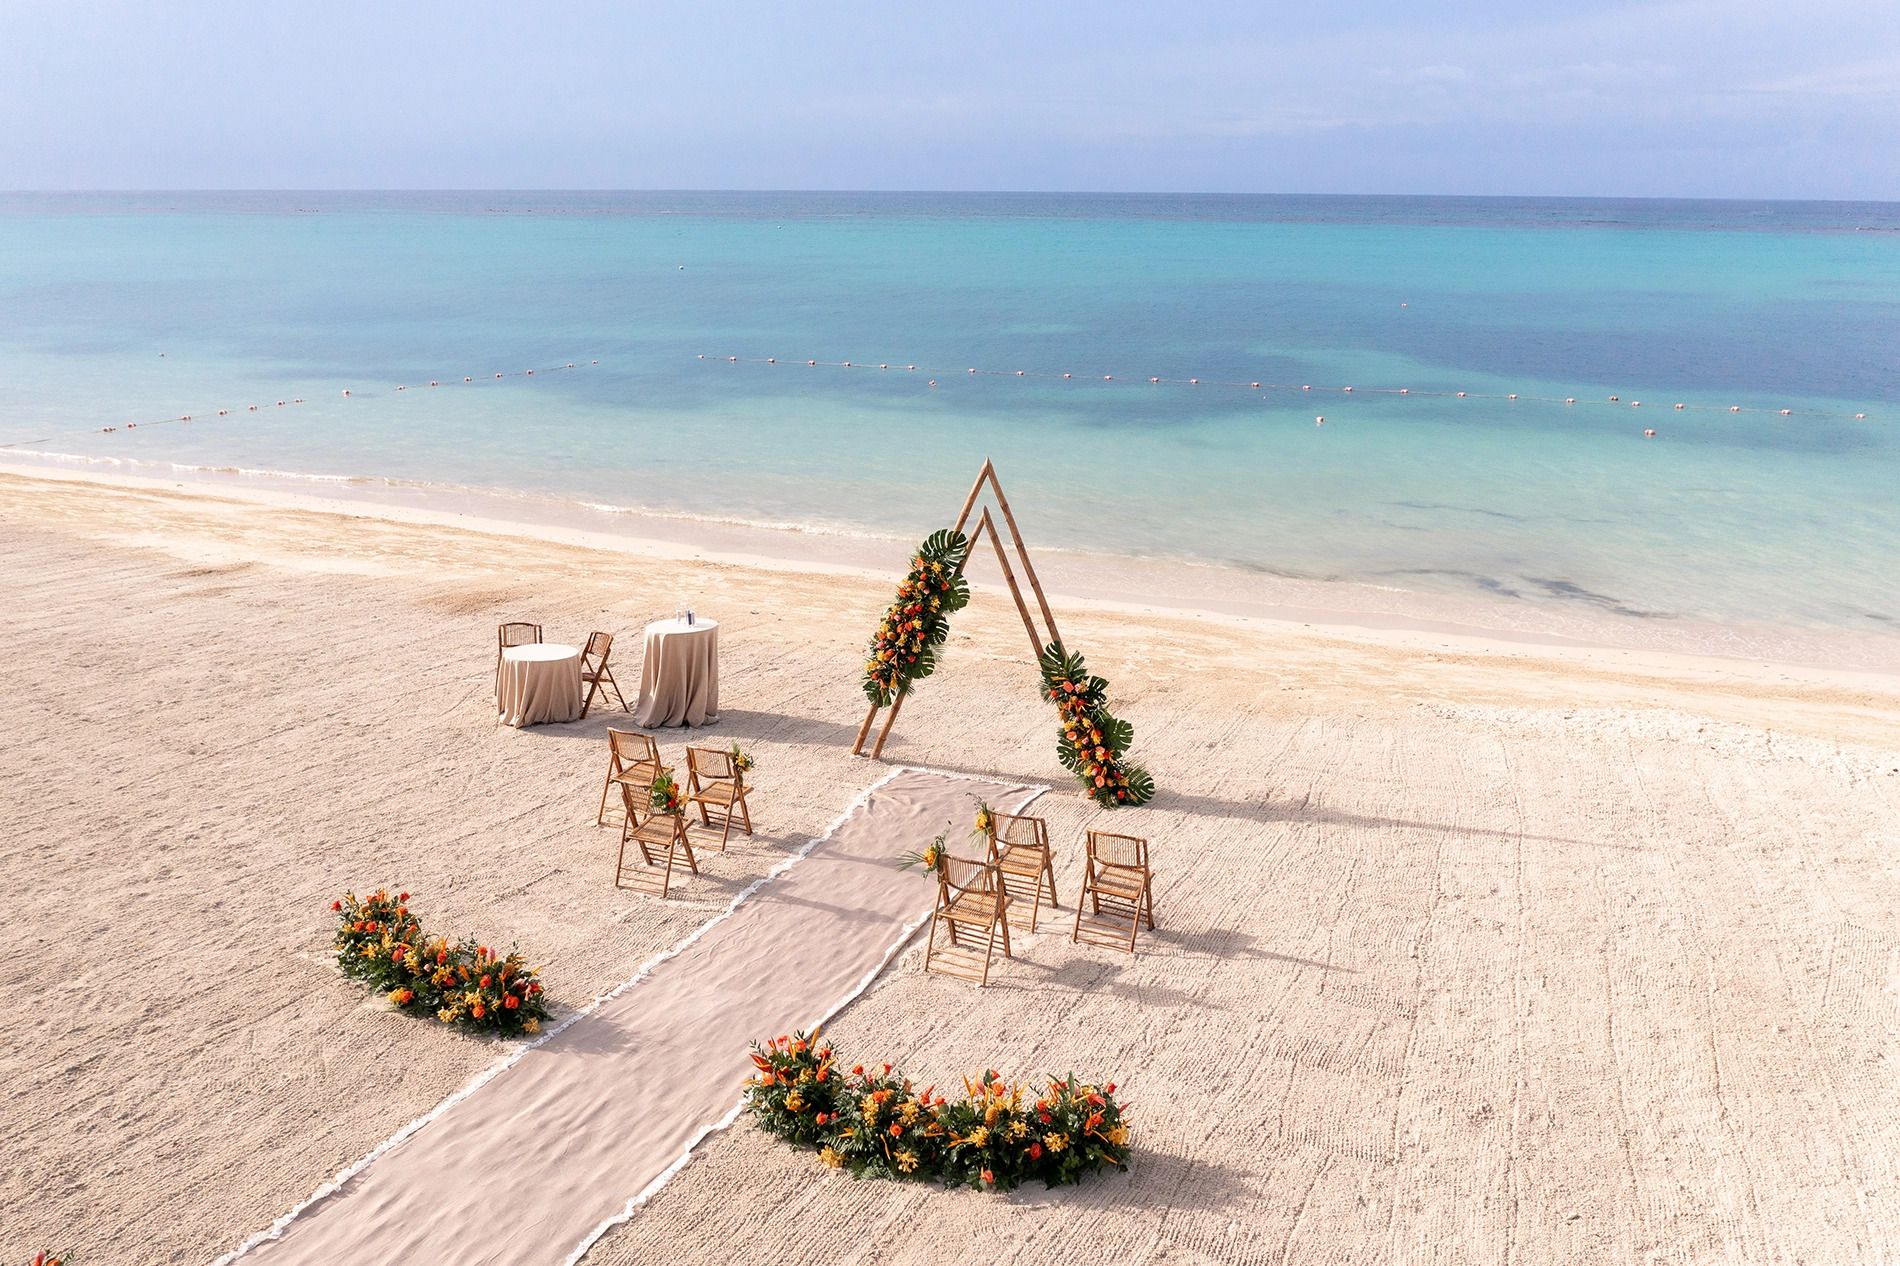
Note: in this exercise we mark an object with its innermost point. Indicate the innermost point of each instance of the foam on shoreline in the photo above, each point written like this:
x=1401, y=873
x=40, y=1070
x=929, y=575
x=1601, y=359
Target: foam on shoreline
x=1189, y=589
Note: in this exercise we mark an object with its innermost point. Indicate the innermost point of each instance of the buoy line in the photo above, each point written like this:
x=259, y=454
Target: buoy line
x=1139, y=380
x=293, y=401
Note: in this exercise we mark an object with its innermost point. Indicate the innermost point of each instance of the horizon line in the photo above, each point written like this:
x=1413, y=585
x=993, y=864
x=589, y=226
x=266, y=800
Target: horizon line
x=938, y=193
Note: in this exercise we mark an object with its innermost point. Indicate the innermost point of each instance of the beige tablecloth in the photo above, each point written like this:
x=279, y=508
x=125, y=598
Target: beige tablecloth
x=538, y=683
x=679, y=682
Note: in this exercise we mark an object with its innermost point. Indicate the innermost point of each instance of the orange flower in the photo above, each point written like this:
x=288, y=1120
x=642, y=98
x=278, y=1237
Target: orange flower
x=989, y=1178
x=897, y=1131
x=511, y=1002
x=479, y=1011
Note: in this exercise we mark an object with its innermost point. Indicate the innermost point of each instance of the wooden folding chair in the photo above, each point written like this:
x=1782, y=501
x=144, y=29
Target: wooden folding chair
x=1117, y=891
x=513, y=633
x=1020, y=848
x=633, y=760
x=596, y=674
x=971, y=901
x=660, y=837
x=716, y=785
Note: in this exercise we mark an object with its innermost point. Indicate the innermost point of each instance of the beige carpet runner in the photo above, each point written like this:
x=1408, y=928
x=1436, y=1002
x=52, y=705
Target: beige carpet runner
x=533, y=1163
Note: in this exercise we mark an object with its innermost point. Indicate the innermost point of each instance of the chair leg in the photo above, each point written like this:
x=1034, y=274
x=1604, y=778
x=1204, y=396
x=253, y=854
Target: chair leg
x=1148, y=902
x=746, y=813
x=620, y=698
x=1081, y=902
x=989, y=948
x=1002, y=920
x=727, y=833
x=600, y=819
x=620, y=863
x=930, y=942
x=587, y=700
x=1049, y=869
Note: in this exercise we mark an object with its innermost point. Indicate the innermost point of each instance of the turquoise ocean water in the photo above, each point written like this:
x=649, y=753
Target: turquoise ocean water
x=135, y=308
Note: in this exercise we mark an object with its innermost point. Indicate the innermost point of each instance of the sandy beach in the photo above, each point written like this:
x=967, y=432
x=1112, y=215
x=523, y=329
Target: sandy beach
x=1471, y=949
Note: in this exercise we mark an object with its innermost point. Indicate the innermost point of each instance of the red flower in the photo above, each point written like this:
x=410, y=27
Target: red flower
x=511, y=1002
x=403, y=896
x=857, y=1070
x=989, y=1178
x=1109, y=1088
x=1035, y=1151
x=821, y=1118
x=336, y=905
x=897, y=1131
x=487, y=981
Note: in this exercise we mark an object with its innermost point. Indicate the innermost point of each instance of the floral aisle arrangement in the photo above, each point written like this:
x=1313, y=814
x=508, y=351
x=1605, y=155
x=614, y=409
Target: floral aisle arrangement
x=876, y=1123
x=930, y=858
x=379, y=942
x=904, y=649
x=665, y=795
x=1094, y=741
x=45, y=1258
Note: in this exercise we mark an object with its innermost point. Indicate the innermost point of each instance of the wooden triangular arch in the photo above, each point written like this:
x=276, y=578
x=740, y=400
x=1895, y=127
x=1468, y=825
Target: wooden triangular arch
x=985, y=526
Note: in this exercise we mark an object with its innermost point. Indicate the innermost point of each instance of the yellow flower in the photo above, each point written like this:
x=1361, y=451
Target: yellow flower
x=1055, y=1142
x=830, y=1157
x=531, y=1026
x=1119, y=1135
x=1018, y=1128
x=794, y=1102
x=869, y=1107
x=979, y=1137
x=445, y=1015
x=909, y=1112
x=906, y=1161
x=991, y=1113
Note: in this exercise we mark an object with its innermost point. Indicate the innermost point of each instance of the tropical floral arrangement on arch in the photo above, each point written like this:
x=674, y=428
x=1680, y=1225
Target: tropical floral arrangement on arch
x=379, y=942
x=877, y=1124
x=904, y=648
x=1094, y=741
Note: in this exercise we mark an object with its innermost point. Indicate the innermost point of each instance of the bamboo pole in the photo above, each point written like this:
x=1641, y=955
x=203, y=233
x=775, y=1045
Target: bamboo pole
x=1022, y=552
x=1009, y=577
x=890, y=719
x=857, y=748
x=963, y=516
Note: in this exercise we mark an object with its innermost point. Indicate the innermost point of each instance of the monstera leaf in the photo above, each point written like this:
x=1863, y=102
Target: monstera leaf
x=945, y=546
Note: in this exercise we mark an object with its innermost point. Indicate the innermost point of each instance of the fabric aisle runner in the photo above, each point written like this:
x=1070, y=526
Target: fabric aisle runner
x=533, y=1162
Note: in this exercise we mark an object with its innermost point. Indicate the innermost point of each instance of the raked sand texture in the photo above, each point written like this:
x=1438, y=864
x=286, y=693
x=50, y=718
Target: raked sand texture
x=1467, y=953
x=571, y=1134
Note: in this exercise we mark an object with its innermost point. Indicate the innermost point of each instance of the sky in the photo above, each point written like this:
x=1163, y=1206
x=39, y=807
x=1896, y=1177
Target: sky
x=1684, y=98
